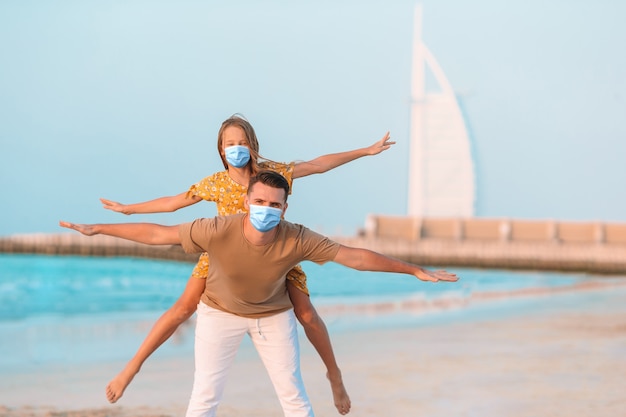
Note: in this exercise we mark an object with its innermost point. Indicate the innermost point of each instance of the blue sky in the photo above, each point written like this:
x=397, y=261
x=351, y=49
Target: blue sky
x=123, y=100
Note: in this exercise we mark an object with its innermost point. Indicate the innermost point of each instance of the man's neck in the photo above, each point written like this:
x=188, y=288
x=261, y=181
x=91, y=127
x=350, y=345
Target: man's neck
x=254, y=236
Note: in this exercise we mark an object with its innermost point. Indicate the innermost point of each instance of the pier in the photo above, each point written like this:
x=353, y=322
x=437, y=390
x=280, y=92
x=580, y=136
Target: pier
x=73, y=243
x=589, y=247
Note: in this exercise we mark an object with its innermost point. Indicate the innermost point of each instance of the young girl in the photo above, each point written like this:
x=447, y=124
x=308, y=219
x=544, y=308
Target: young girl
x=239, y=150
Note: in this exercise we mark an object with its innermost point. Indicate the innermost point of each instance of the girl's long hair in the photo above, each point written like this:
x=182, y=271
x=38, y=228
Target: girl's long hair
x=253, y=143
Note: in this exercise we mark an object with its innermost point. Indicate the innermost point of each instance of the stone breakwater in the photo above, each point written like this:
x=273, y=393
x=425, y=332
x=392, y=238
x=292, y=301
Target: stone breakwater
x=77, y=244
x=590, y=257
x=594, y=247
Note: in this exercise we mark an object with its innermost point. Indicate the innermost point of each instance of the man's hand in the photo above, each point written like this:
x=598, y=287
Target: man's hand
x=86, y=229
x=382, y=145
x=435, y=276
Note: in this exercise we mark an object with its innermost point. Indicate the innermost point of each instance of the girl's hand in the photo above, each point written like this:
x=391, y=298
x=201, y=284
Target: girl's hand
x=115, y=206
x=382, y=145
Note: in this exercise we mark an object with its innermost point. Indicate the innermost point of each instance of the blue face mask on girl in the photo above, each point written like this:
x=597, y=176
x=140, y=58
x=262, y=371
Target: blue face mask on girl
x=264, y=218
x=237, y=156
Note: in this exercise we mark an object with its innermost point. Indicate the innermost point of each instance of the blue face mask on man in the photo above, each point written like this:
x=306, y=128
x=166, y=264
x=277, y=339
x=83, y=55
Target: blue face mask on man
x=264, y=218
x=237, y=156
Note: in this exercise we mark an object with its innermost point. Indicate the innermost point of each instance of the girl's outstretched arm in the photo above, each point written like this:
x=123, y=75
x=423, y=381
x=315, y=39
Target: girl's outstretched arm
x=327, y=162
x=159, y=205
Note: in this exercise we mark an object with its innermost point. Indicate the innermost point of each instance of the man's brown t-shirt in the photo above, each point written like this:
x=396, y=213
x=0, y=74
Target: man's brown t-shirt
x=246, y=279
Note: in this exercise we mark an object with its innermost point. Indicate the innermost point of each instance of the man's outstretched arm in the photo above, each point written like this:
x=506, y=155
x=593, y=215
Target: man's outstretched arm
x=148, y=233
x=367, y=260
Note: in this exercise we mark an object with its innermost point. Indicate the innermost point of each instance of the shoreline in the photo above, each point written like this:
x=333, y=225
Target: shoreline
x=558, y=355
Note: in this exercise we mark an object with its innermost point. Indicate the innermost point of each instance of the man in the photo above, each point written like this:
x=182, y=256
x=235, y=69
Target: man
x=250, y=254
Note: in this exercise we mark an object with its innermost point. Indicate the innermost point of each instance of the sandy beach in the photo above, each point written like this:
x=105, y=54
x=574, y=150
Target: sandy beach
x=556, y=355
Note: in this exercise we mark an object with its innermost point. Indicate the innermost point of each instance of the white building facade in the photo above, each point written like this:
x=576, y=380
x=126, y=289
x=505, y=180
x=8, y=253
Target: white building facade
x=441, y=170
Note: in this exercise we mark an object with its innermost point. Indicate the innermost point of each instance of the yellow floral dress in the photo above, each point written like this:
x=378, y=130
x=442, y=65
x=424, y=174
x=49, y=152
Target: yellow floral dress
x=229, y=197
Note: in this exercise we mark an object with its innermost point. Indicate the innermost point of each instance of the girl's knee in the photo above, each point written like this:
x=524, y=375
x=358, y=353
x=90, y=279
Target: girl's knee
x=306, y=313
x=183, y=310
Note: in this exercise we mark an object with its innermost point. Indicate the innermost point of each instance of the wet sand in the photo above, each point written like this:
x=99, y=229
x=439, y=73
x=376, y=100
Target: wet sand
x=563, y=354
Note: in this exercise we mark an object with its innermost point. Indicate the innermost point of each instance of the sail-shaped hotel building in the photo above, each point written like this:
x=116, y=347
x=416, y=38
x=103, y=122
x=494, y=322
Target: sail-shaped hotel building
x=441, y=171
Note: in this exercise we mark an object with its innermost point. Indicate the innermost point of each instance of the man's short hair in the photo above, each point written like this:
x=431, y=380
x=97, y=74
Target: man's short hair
x=271, y=179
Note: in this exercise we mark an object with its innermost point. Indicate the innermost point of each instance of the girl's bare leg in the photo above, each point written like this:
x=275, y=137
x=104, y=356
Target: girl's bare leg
x=164, y=327
x=317, y=333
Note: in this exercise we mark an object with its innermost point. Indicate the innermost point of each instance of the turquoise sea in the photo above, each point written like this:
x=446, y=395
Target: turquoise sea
x=60, y=309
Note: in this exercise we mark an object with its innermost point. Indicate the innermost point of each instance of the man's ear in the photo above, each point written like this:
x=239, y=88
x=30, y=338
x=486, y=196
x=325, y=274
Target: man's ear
x=285, y=208
x=246, y=203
